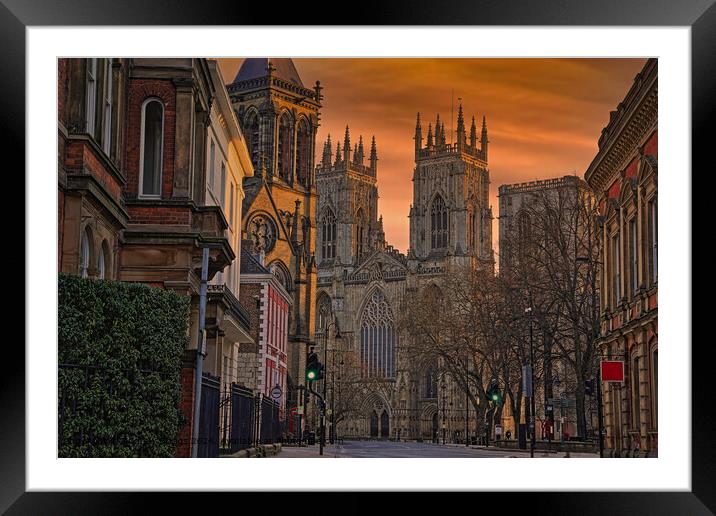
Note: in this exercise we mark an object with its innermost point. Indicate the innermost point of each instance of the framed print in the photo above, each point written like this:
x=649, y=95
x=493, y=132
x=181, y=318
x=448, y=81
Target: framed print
x=428, y=249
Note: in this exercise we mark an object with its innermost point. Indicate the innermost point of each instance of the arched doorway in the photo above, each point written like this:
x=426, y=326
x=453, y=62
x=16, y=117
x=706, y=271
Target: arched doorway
x=374, y=424
x=384, y=425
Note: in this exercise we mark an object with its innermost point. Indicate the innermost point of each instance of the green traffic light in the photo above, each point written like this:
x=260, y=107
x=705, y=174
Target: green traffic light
x=311, y=375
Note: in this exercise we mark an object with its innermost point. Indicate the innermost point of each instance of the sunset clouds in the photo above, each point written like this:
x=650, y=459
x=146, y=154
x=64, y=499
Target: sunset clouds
x=544, y=116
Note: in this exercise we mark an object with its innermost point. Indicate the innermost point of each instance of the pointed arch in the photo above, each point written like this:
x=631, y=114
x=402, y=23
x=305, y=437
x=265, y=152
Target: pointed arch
x=285, y=147
x=324, y=312
x=251, y=131
x=328, y=236
x=439, y=223
x=303, y=151
x=361, y=233
x=280, y=271
x=377, y=336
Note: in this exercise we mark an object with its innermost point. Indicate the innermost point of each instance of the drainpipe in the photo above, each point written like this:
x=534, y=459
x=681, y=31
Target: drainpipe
x=200, y=351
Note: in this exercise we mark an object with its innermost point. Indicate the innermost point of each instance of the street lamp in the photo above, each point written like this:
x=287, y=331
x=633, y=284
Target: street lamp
x=600, y=427
x=528, y=310
x=325, y=381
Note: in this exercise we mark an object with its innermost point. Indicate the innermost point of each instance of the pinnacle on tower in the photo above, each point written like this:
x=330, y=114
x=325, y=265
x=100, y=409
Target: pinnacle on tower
x=360, y=154
x=473, y=133
x=338, y=154
x=430, y=137
x=437, y=131
x=373, y=157
x=355, y=153
x=418, y=136
x=483, y=139
x=460, y=127
x=347, y=146
x=327, y=152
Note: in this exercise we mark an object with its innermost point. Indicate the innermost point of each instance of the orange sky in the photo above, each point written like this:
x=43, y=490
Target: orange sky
x=544, y=116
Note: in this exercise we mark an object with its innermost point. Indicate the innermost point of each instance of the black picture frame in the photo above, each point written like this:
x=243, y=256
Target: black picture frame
x=700, y=15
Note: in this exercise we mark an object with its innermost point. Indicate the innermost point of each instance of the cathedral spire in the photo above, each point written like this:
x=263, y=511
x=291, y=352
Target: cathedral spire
x=327, y=152
x=460, y=126
x=373, y=157
x=338, y=154
x=347, y=146
x=483, y=139
x=418, y=137
x=360, y=153
x=473, y=133
x=430, y=137
x=437, y=131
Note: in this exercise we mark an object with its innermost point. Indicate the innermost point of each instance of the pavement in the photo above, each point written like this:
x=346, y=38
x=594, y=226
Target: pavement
x=391, y=449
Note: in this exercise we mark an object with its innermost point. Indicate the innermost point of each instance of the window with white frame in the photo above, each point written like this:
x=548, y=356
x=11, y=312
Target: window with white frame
x=107, y=116
x=222, y=187
x=151, y=148
x=84, y=253
x=91, y=97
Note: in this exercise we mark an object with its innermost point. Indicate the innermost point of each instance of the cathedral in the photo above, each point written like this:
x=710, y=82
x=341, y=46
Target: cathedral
x=376, y=388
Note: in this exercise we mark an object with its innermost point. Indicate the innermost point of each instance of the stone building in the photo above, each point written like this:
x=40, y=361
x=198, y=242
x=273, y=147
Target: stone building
x=624, y=176
x=524, y=228
x=91, y=165
x=279, y=117
x=363, y=281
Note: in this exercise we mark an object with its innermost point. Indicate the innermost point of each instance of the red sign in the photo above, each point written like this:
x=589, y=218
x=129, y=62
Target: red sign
x=612, y=371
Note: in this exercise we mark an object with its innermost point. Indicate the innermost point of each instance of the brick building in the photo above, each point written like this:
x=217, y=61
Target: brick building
x=624, y=176
x=151, y=164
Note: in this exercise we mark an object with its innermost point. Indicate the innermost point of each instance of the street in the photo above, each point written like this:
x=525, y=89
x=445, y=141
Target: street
x=391, y=449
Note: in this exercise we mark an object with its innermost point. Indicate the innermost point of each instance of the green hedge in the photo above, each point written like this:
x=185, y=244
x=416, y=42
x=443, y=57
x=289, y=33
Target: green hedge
x=120, y=353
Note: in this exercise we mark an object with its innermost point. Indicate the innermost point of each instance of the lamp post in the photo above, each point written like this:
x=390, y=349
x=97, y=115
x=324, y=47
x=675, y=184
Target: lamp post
x=325, y=380
x=532, y=386
x=594, y=333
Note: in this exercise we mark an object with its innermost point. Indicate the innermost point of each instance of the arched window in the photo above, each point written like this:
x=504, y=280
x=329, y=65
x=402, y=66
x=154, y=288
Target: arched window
x=284, y=148
x=150, y=166
x=251, y=133
x=281, y=274
x=360, y=233
x=328, y=235
x=378, y=337
x=303, y=153
x=323, y=313
x=438, y=224
x=103, y=264
x=85, y=252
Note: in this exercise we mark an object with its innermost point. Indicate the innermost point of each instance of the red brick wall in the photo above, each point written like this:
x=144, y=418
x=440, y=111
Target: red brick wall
x=246, y=293
x=159, y=215
x=186, y=405
x=139, y=91
x=651, y=147
x=79, y=155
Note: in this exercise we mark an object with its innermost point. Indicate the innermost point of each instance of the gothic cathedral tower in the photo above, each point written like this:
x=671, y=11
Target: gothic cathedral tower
x=279, y=118
x=348, y=225
x=451, y=214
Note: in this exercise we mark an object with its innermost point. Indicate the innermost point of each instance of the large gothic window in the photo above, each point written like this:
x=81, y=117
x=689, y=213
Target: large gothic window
x=431, y=388
x=285, y=135
x=251, y=133
x=323, y=313
x=328, y=235
x=378, y=337
x=360, y=235
x=303, y=153
x=438, y=224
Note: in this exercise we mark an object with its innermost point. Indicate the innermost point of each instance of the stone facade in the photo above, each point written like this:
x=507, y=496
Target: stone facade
x=624, y=176
x=363, y=281
x=279, y=117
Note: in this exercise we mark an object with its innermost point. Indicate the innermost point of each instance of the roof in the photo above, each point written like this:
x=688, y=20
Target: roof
x=256, y=67
x=249, y=263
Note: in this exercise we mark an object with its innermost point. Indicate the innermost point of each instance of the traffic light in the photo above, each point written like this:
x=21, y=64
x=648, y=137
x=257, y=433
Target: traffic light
x=493, y=393
x=312, y=367
x=589, y=387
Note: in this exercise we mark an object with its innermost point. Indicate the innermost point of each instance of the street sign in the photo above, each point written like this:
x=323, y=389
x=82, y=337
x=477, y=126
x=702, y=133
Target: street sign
x=612, y=370
x=276, y=392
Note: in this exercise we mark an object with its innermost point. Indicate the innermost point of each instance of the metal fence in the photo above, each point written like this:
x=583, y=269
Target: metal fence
x=238, y=419
x=271, y=427
x=208, y=443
